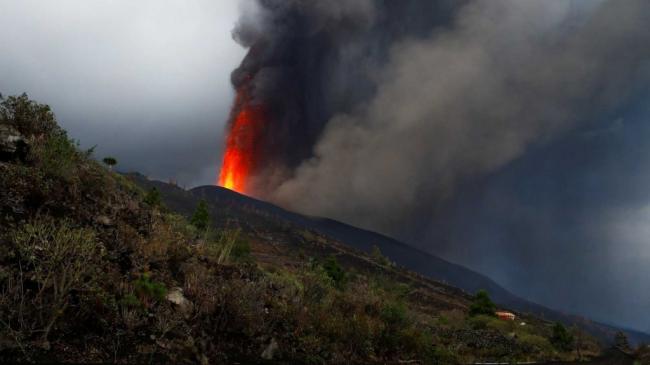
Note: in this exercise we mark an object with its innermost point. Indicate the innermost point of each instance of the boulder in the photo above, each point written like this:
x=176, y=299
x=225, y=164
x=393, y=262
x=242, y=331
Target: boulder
x=270, y=350
x=176, y=297
x=104, y=220
x=12, y=144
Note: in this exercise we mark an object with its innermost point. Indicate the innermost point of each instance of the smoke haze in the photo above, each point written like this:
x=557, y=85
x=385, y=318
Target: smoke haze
x=391, y=117
x=466, y=101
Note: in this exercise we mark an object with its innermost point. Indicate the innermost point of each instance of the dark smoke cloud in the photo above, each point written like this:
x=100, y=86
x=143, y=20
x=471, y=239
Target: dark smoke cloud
x=310, y=60
x=390, y=114
x=466, y=101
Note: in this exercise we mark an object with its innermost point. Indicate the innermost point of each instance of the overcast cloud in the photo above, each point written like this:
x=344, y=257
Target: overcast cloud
x=148, y=81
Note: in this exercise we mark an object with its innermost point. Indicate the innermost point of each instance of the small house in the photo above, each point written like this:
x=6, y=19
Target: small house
x=506, y=316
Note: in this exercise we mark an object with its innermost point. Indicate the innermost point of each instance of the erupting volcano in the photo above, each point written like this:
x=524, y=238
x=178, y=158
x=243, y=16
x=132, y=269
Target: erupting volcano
x=242, y=144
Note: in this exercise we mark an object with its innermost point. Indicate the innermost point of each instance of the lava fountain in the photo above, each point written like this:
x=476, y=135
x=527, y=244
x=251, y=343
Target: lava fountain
x=243, y=144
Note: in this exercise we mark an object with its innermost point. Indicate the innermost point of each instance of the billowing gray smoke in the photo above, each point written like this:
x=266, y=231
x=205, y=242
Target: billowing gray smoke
x=311, y=60
x=384, y=109
x=466, y=100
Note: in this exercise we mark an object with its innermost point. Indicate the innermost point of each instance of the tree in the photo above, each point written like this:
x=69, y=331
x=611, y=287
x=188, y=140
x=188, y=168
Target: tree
x=153, y=197
x=562, y=339
x=620, y=340
x=482, y=305
x=110, y=162
x=201, y=217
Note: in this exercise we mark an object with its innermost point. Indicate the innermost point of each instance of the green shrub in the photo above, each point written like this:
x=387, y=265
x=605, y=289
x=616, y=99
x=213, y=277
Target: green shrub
x=241, y=251
x=58, y=257
x=221, y=249
x=534, y=343
x=482, y=305
x=394, y=315
x=58, y=157
x=335, y=272
x=562, y=339
x=130, y=301
x=28, y=117
x=444, y=356
x=378, y=257
x=394, y=320
x=152, y=198
x=480, y=321
x=149, y=291
x=201, y=217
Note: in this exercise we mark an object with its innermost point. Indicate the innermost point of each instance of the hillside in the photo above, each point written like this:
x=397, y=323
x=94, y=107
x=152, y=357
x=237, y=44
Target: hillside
x=228, y=205
x=94, y=268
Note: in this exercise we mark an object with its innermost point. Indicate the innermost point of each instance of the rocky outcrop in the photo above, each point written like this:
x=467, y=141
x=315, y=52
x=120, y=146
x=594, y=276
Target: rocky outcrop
x=12, y=144
x=270, y=350
x=176, y=297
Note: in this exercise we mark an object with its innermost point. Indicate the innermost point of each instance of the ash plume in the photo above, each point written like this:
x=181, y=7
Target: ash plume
x=467, y=100
x=309, y=61
x=383, y=112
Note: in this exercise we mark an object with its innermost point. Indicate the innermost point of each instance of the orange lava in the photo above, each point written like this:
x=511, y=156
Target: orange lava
x=242, y=144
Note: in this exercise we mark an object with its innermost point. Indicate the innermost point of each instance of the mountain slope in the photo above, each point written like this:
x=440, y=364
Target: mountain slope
x=251, y=210
x=95, y=269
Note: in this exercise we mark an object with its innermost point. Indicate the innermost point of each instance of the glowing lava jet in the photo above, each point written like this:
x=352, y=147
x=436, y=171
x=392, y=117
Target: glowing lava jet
x=242, y=145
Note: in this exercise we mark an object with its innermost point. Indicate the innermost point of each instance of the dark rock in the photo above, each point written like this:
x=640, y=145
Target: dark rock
x=176, y=297
x=104, y=220
x=13, y=146
x=270, y=350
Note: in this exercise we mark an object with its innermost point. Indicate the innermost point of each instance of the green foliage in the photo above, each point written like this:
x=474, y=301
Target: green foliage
x=534, y=343
x=149, y=291
x=152, y=198
x=394, y=315
x=59, y=258
x=444, y=356
x=130, y=301
x=482, y=305
x=481, y=321
x=562, y=339
x=201, y=217
x=29, y=117
x=378, y=257
x=109, y=161
x=58, y=157
x=241, y=251
x=335, y=272
x=222, y=249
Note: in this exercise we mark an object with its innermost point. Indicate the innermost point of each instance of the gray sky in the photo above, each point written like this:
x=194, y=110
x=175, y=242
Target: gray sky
x=148, y=81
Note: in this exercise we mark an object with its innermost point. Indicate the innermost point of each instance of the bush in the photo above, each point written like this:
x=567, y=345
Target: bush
x=443, y=355
x=59, y=259
x=201, y=217
x=534, y=343
x=482, y=305
x=58, y=157
x=562, y=339
x=152, y=198
x=378, y=257
x=222, y=249
x=28, y=117
x=149, y=291
x=335, y=272
x=241, y=251
x=481, y=321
